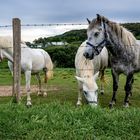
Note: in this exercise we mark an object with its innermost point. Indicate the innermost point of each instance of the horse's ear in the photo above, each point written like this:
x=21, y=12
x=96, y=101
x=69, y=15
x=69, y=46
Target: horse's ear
x=99, y=17
x=96, y=76
x=79, y=79
x=88, y=21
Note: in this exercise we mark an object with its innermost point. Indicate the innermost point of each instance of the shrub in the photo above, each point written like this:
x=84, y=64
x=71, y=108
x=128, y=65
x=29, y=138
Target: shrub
x=63, y=56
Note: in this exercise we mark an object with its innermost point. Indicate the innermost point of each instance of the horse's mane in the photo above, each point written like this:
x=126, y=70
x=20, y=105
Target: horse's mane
x=125, y=36
x=83, y=65
x=7, y=42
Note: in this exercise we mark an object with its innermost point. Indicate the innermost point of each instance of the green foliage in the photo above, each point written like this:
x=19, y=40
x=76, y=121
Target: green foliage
x=63, y=56
x=134, y=28
x=69, y=37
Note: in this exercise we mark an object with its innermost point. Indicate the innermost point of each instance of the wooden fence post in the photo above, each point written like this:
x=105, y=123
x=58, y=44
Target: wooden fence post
x=16, y=58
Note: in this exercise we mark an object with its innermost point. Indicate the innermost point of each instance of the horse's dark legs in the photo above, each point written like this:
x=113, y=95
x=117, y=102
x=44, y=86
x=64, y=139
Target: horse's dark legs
x=128, y=88
x=132, y=81
x=102, y=80
x=115, y=77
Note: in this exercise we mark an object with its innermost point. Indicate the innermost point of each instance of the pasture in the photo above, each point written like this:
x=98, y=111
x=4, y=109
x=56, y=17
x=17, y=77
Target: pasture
x=57, y=116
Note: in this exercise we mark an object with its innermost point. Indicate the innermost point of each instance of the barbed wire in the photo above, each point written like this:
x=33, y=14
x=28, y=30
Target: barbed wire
x=49, y=24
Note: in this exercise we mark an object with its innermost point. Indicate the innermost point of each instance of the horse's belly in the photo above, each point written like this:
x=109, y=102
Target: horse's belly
x=121, y=68
x=37, y=66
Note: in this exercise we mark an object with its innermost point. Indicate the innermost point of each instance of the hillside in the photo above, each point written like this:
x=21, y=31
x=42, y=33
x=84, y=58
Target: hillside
x=80, y=35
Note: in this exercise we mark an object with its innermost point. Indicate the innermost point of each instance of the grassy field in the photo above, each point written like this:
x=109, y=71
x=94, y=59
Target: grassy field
x=57, y=117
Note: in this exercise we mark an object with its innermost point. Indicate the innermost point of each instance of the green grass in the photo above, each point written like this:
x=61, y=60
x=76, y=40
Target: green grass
x=57, y=117
x=56, y=121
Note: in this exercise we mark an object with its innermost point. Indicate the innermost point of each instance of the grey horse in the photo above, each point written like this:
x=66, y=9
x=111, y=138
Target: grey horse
x=123, y=47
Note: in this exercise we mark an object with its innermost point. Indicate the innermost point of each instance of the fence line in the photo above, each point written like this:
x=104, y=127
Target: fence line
x=39, y=25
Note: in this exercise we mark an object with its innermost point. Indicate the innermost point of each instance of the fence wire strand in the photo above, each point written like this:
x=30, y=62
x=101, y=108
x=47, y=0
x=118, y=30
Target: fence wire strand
x=41, y=25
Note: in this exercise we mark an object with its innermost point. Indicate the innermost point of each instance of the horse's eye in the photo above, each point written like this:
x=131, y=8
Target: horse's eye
x=96, y=34
x=85, y=92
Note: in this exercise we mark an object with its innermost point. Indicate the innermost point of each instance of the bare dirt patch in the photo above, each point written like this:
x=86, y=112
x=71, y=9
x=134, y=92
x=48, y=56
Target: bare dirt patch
x=7, y=90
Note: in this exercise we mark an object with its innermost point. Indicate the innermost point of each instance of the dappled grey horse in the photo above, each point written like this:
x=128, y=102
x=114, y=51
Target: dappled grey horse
x=123, y=47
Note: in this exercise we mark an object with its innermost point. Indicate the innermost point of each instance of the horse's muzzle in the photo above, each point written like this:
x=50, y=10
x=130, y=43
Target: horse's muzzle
x=86, y=55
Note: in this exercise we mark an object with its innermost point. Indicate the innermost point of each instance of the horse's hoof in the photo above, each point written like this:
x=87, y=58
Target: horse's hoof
x=79, y=103
x=39, y=94
x=29, y=104
x=126, y=105
x=45, y=94
x=112, y=103
x=102, y=93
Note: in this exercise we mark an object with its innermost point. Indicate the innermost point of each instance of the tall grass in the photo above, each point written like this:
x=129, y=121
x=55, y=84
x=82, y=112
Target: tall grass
x=66, y=122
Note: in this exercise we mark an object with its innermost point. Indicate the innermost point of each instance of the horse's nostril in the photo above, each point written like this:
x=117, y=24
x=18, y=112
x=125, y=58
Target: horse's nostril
x=86, y=55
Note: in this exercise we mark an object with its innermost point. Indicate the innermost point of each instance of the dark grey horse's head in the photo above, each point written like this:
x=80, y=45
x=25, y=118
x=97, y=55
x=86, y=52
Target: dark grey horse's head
x=97, y=37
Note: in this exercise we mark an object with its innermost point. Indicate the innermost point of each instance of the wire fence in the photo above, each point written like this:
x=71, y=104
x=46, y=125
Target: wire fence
x=30, y=32
x=43, y=25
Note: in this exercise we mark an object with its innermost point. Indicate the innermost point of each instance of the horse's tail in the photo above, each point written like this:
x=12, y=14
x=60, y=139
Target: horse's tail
x=49, y=68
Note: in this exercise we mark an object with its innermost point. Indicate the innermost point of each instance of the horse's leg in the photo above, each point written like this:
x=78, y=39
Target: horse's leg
x=28, y=78
x=39, y=84
x=128, y=87
x=10, y=65
x=132, y=81
x=79, y=101
x=115, y=77
x=45, y=82
x=102, y=82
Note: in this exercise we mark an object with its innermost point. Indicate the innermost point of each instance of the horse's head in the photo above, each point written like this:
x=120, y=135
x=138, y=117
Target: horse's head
x=90, y=88
x=97, y=36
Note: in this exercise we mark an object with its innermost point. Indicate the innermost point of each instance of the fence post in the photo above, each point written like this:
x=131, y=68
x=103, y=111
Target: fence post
x=16, y=58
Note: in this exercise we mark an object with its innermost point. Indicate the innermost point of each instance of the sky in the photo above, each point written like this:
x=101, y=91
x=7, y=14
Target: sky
x=63, y=11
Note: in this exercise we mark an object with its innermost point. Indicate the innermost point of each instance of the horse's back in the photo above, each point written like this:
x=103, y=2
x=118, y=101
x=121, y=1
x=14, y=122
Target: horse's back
x=32, y=59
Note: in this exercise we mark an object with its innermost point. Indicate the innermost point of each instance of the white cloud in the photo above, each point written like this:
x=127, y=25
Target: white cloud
x=32, y=33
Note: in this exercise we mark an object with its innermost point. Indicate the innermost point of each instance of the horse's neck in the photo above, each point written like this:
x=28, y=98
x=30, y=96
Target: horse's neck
x=121, y=44
x=123, y=39
x=7, y=53
x=113, y=38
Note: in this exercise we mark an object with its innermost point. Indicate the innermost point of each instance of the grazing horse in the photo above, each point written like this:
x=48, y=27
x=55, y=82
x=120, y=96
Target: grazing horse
x=123, y=47
x=32, y=61
x=87, y=72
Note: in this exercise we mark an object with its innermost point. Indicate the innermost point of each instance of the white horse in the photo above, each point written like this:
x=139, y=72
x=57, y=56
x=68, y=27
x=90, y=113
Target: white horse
x=32, y=61
x=87, y=72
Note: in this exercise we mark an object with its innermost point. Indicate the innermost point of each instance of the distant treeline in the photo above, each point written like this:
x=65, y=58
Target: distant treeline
x=80, y=35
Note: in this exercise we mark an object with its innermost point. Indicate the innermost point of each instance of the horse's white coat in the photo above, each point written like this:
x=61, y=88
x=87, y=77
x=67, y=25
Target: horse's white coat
x=32, y=61
x=87, y=72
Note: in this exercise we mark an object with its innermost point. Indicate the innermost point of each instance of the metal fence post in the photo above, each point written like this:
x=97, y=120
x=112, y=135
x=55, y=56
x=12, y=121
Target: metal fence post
x=16, y=58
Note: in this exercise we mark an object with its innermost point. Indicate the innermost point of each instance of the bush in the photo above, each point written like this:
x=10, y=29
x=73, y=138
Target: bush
x=63, y=56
